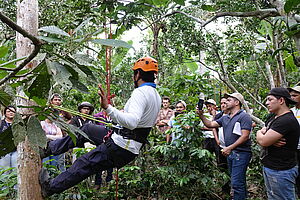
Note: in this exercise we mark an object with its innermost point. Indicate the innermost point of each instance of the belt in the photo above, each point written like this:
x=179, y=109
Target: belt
x=138, y=134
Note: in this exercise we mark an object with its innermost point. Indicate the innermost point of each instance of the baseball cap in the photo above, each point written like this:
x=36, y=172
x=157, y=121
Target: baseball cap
x=236, y=95
x=183, y=103
x=282, y=92
x=211, y=101
x=296, y=89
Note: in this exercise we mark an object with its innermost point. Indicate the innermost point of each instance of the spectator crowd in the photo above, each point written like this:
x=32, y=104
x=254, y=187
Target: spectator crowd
x=225, y=128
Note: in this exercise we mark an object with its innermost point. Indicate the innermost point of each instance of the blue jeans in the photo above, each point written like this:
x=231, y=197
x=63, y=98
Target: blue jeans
x=280, y=184
x=237, y=163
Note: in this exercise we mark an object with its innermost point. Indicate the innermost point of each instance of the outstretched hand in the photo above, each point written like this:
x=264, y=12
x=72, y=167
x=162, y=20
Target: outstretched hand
x=199, y=112
x=103, y=97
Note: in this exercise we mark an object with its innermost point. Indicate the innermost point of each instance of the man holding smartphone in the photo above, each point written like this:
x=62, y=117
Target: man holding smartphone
x=236, y=126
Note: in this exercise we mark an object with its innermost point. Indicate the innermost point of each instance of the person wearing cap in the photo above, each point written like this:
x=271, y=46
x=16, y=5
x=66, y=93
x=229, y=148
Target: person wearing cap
x=56, y=100
x=164, y=115
x=295, y=95
x=180, y=108
x=84, y=108
x=124, y=144
x=210, y=134
x=279, y=162
x=236, y=126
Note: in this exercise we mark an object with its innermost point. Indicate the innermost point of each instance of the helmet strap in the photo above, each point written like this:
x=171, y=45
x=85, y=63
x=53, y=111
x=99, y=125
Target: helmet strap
x=136, y=81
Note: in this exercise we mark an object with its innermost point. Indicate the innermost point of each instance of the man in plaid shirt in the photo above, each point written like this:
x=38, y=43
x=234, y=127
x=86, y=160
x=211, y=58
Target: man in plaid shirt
x=164, y=115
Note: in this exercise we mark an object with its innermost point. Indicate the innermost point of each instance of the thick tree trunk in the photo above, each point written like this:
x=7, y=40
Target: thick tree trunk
x=29, y=162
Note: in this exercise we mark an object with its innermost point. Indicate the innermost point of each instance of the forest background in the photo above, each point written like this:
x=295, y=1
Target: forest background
x=212, y=47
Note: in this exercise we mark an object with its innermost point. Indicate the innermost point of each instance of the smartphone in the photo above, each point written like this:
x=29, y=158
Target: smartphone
x=200, y=104
x=201, y=101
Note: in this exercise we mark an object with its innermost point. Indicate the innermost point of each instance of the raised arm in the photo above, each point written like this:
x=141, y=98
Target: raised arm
x=206, y=122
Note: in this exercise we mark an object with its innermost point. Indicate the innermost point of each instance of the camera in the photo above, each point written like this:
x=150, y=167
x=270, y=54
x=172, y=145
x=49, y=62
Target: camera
x=200, y=101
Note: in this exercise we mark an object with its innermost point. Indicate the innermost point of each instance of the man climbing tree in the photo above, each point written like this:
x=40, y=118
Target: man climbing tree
x=139, y=116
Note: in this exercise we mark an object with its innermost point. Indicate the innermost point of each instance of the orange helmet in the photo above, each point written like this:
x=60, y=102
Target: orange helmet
x=146, y=64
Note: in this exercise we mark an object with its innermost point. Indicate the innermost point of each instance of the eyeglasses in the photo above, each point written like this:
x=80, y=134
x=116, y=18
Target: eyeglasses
x=179, y=107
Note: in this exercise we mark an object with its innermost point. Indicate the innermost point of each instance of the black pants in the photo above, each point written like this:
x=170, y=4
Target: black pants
x=105, y=156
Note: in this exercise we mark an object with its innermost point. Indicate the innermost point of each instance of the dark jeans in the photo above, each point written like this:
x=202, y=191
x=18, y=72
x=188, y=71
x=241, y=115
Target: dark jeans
x=105, y=156
x=237, y=163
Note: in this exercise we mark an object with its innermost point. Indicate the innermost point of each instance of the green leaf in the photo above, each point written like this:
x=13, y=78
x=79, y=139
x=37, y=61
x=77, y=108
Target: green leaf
x=12, y=61
x=81, y=68
x=71, y=130
x=79, y=86
x=73, y=72
x=292, y=33
x=18, y=129
x=51, y=39
x=290, y=5
x=3, y=74
x=36, y=134
x=112, y=43
x=85, y=22
x=118, y=57
x=265, y=28
x=60, y=74
x=83, y=59
x=159, y=2
x=209, y=8
x=181, y=2
x=54, y=30
x=289, y=64
x=24, y=71
x=5, y=98
x=87, y=71
x=192, y=66
x=41, y=85
x=3, y=51
x=40, y=101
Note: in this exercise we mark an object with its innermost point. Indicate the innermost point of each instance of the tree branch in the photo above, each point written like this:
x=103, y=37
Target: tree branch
x=37, y=46
x=7, y=69
x=259, y=13
x=261, y=70
x=249, y=93
x=227, y=81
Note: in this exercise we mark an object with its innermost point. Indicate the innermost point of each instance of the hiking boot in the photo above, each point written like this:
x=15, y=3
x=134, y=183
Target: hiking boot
x=44, y=180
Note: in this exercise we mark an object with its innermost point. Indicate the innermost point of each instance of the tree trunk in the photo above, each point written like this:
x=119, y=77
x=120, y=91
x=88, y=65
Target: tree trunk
x=29, y=162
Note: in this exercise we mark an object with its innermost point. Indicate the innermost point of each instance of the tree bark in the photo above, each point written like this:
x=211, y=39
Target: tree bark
x=270, y=76
x=29, y=162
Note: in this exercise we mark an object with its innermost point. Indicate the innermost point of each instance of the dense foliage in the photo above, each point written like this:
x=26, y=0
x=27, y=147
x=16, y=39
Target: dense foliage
x=229, y=54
